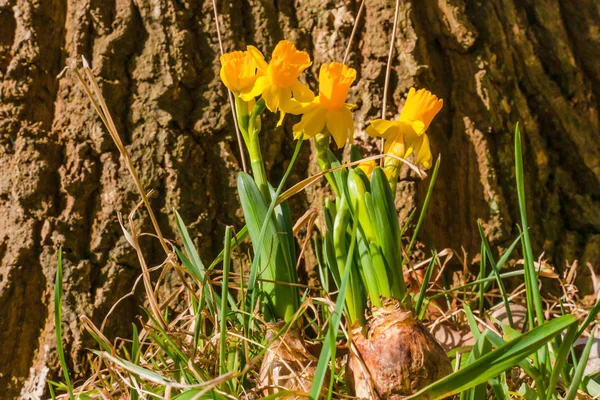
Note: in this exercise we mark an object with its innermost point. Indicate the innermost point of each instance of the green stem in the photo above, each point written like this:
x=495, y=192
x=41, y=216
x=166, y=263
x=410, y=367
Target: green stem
x=322, y=145
x=241, y=112
x=256, y=159
x=258, y=167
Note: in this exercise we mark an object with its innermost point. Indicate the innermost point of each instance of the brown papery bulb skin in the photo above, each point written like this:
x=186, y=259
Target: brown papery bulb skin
x=287, y=364
x=399, y=354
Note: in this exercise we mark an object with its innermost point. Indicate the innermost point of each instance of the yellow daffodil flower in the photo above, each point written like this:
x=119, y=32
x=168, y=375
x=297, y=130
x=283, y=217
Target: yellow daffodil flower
x=407, y=135
x=368, y=166
x=329, y=109
x=278, y=83
x=238, y=72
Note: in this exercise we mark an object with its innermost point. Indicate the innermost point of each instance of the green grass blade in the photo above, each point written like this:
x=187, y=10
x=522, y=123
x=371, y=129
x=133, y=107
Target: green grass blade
x=561, y=359
x=142, y=372
x=498, y=389
x=502, y=261
x=496, y=271
x=426, y=280
x=482, y=347
x=477, y=282
x=591, y=317
x=578, y=376
x=472, y=322
x=529, y=260
x=425, y=204
x=135, y=357
x=196, y=266
x=327, y=352
x=482, y=270
x=224, y=290
x=237, y=240
x=58, y=323
x=495, y=362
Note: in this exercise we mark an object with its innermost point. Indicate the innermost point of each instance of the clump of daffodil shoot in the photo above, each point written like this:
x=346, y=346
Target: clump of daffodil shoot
x=257, y=85
x=407, y=135
x=397, y=350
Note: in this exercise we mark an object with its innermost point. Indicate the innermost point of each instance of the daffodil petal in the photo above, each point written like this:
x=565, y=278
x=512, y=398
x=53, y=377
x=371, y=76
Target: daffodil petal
x=367, y=167
x=396, y=147
x=301, y=92
x=259, y=59
x=293, y=106
x=341, y=125
x=275, y=96
x=404, y=140
x=424, y=156
x=259, y=87
x=383, y=128
x=281, y=117
x=312, y=122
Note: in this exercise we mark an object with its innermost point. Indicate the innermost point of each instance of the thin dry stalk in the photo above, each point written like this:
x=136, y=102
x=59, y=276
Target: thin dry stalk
x=132, y=237
x=389, y=66
x=358, y=15
x=231, y=102
x=298, y=187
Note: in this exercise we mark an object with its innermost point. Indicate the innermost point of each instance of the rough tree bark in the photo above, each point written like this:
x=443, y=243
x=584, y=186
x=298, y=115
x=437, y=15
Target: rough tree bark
x=62, y=182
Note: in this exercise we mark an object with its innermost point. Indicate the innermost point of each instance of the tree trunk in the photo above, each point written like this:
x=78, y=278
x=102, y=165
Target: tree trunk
x=495, y=63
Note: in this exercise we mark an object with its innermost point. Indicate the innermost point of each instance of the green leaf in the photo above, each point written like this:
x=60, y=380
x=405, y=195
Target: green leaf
x=142, y=372
x=237, y=240
x=425, y=205
x=591, y=317
x=387, y=230
x=495, y=362
x=355, y=154
x=269, y=258
x=263, y=237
